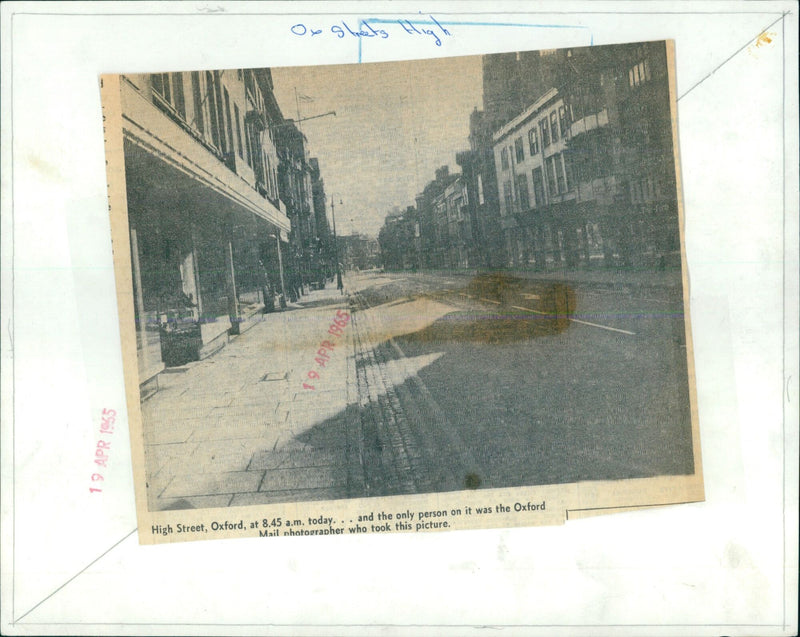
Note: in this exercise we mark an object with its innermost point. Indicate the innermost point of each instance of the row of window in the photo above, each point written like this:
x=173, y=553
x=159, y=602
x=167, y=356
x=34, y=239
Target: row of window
x=646, y=189
x=548, y=130
x=555, y=178
x=639, y=74
x=216, y=122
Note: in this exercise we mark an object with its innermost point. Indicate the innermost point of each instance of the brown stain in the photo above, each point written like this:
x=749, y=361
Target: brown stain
x=765, y=38
x=44, y=168
x=491, y=317
x=506, y=314
x=472, y=481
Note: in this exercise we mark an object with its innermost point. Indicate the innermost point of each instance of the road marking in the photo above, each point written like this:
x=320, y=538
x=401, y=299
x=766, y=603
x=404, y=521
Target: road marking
x=530, y=309
x=527, y=309
x=637, y=298
x=532, y=297
x=602, y=327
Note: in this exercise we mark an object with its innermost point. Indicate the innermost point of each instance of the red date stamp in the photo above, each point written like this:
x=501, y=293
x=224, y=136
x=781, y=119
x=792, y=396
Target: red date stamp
x=103, y=447
x=326, y=348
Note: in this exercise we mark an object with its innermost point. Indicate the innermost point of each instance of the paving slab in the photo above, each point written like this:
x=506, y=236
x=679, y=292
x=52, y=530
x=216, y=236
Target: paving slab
x=290, y=495
x=295, y=458
x=240, y=422
x=207, y=483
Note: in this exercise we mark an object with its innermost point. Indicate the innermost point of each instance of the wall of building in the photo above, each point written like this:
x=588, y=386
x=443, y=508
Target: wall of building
x=202, y=158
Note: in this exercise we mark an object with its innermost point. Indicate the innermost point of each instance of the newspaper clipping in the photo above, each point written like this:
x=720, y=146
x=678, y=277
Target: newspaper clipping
x=401, y=297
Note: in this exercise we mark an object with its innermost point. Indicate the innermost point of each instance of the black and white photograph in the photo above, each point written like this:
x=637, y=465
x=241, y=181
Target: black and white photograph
x=391, y=279
x=386, y=318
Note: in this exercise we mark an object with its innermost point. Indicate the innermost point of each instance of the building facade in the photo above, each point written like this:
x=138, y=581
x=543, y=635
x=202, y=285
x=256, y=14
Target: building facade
x=571, y=165
x=358, y=251
x=205, y=216
x=585, y=172
x=324, y=255
x=399, y=240
x=296, y=193
x=482, y=201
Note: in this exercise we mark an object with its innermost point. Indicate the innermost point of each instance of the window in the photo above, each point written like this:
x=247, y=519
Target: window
x=220, y=112
x=160, y=82
x=504, y=159
x=533, y=141
x=229, y=145
x=551, y=177
x=179, y=99
x=639, y=74
x=250, y=87
x=569, y=171
x=636, y=192
x=249, y=157
x=168, y=88
x=554, y=126
x=255, y=153
x=560, y=179
x=480, y=189
x=563, y=123
x=508, y=196
x=544, y=131
x=197, y=100
x=211, y=101
x=237, y=117
x=538, y=187
x=523, y=194
x=519, y=150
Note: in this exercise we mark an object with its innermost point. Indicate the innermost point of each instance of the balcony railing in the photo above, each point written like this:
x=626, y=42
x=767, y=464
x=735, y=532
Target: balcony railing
x=589, y=122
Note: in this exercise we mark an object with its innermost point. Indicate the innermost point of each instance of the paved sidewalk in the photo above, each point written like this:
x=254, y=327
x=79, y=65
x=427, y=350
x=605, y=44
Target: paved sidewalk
x=239, y=428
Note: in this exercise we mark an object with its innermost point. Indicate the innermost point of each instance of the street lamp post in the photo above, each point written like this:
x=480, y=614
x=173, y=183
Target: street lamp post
x=339, y=284
x=280, y=266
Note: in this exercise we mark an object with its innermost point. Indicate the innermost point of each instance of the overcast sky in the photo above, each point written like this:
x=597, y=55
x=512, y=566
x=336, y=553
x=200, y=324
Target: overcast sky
x=395, y=124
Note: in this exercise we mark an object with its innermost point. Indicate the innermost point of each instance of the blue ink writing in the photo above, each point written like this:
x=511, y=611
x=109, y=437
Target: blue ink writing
x=409, y=28
x=300, y=29
x=343, y=29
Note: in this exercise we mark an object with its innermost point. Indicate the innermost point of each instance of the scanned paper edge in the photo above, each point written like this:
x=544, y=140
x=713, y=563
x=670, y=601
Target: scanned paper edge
x=573, y=500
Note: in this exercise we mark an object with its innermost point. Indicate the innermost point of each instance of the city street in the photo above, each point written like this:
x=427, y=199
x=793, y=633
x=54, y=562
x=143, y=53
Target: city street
x=438, y=382
x=487, y=382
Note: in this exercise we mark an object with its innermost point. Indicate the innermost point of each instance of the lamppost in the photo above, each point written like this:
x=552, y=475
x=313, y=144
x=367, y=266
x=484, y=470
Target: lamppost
x=280, y=267
x=339, y=284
